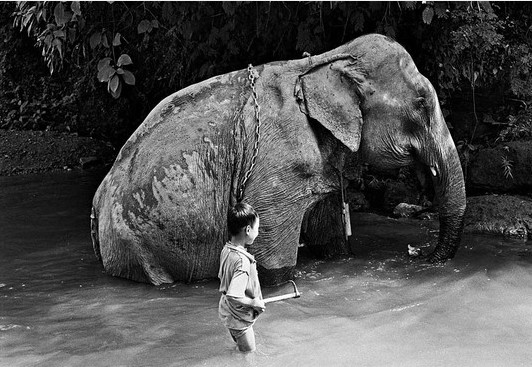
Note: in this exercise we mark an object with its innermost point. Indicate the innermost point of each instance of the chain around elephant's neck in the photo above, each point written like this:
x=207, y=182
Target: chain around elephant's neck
x=253, y=75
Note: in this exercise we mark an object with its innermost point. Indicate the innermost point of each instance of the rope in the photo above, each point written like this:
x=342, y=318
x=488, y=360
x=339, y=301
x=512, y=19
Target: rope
x=253, y=75
x=346, y=219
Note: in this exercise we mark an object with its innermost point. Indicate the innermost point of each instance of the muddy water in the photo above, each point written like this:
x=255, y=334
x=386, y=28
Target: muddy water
x=377, y=308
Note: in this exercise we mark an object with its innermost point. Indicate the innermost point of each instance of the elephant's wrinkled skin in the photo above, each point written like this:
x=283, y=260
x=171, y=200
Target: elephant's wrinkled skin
x=160, y=213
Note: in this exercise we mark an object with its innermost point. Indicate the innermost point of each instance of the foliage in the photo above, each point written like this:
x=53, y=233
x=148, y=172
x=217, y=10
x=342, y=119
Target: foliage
x=59, y=28
x=473, y=50
x=507, y=166
x=143, y=51
x=521, y=73
x=114, y=75
x=519, y=127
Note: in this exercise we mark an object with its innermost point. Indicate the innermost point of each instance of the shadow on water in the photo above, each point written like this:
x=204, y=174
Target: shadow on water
x=375, y=308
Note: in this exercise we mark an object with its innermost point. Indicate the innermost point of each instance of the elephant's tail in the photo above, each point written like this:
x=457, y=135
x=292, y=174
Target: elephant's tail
x=94, y=234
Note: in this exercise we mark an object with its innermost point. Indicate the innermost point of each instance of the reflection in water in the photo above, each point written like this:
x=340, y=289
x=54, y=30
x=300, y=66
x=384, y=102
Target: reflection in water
x=377, y=308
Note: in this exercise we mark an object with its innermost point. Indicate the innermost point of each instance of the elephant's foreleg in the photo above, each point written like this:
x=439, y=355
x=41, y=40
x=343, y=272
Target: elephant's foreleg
x=275, y=248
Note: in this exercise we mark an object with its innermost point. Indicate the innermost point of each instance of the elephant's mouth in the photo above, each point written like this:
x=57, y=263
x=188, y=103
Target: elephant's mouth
x=388, y=163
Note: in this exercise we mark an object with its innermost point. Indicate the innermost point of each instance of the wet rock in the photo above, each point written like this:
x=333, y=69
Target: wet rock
x=405, y=210
x=509, y=216
x=505, y=168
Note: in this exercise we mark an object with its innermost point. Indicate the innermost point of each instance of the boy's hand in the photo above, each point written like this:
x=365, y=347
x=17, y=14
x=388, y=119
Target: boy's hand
x=258, y=305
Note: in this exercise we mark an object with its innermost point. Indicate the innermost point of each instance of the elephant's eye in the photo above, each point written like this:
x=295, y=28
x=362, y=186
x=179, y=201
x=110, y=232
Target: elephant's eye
x=420, y=103
x=418, y=112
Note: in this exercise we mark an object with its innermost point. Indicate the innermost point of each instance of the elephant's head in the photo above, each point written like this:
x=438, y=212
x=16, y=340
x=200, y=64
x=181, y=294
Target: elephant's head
x=370, y=95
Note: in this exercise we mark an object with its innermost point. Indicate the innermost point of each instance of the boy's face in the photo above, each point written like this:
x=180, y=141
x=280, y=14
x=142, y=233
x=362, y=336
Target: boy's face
x=252, y=232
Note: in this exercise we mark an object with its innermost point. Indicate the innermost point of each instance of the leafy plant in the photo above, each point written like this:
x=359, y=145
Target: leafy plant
x=519, y=127
x=521, y=71
x=507, y=166
x=467, y=46
x=115, y=75
x=58, y=26
x=475, y=52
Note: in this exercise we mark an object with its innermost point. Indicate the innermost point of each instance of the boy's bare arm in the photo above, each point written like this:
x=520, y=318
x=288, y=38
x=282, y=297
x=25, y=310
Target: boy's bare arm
x=257, y=303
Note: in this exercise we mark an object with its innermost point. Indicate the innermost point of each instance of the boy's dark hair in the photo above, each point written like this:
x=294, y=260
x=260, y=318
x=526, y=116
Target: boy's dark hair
x=240, y=216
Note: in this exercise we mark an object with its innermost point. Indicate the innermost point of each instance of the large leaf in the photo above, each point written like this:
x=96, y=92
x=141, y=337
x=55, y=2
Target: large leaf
x=48, y=40
x=105, y=43
x=118, y=91
x=129, y=78
x=59, y=14
x=113, y=84
x=124, y=59
x=59, y=46
x=105, y=74
x=76, y=7
x=428, y=13
x=144, y=26
x=116, y=40
x=103, y=63
x=95, y=40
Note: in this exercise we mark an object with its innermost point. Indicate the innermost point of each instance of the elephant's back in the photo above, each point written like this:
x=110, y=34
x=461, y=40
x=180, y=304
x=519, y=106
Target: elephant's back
x=192, y=119
x=184, y=145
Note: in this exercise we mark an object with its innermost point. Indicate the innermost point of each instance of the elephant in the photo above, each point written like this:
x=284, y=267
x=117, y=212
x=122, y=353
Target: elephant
x=274, y=136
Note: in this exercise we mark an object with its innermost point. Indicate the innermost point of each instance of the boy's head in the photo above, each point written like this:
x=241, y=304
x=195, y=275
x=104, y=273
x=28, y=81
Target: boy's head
x=242, y=218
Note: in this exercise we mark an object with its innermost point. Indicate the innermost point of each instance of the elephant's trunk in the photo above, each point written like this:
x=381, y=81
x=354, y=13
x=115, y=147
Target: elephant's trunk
x=450, y=188
x=442, y=158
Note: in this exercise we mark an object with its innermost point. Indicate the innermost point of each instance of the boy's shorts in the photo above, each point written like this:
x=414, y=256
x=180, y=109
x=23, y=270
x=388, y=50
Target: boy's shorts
x=238, y=333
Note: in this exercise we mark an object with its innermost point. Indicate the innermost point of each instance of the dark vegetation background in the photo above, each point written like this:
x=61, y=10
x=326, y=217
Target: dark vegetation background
x=96, y=69
x=77, y=78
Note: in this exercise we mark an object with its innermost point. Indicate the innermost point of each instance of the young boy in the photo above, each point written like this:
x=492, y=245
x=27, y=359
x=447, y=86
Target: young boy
x=241, y=301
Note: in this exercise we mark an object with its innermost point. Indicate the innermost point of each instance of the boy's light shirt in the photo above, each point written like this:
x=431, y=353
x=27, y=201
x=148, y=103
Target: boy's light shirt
x=238, y=278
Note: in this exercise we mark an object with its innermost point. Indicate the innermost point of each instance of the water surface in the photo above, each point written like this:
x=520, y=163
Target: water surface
x=375, y=308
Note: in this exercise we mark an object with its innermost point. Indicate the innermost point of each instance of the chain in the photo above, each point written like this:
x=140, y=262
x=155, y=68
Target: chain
x=253, y=75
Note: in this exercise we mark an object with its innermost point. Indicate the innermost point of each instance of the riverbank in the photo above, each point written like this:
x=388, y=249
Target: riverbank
x=25, y=152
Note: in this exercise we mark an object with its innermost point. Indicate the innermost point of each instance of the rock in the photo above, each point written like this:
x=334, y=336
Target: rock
x=405, y=210
x=509, y=216
x=88, y=162
x=487, y=171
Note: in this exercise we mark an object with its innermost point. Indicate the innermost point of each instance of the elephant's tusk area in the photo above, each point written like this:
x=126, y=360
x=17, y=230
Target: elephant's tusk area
x=433, y=170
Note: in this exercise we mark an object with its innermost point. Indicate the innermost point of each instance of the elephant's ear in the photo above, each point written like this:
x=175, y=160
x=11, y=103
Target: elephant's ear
x=330, y=97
